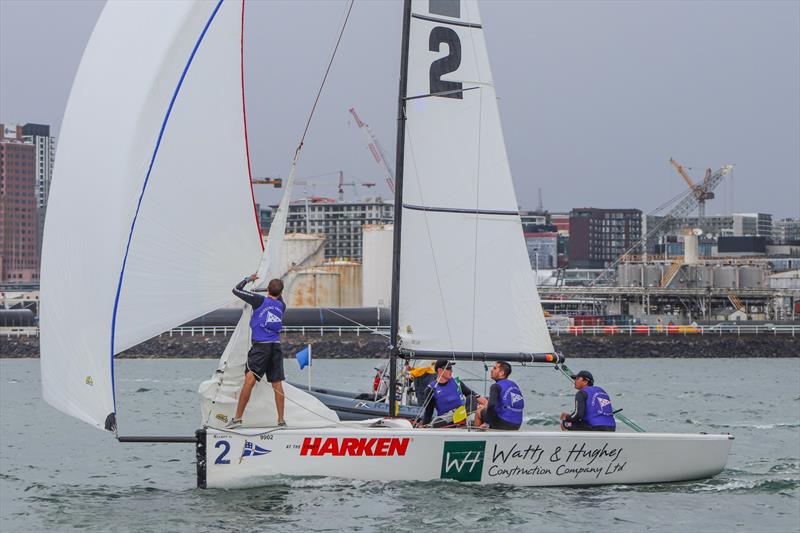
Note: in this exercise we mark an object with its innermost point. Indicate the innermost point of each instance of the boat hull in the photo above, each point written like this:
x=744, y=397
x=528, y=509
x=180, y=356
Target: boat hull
x=253, y=457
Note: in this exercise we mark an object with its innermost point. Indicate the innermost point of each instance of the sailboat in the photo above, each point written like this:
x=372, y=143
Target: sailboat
x=150, y=227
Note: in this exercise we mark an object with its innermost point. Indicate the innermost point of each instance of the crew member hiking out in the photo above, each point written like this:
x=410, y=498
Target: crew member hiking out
x=593, y=411
x=447, y=395
x=264, y=357
x=505, y=407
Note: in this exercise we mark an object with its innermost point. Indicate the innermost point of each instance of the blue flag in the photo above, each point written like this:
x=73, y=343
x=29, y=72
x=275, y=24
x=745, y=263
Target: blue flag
x=252, y=450
x=304, y=357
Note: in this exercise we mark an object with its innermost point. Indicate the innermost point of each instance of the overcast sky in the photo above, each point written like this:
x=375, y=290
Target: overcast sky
x=595, y=97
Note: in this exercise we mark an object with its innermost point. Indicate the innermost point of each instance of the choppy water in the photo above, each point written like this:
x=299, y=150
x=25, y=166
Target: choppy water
x=60, y=474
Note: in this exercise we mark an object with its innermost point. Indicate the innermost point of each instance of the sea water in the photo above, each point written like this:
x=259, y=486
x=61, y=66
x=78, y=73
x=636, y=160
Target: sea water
x=59, y=474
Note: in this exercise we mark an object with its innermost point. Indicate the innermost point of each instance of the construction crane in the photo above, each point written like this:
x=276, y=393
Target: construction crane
x=685, y=203
x=275, y=182
x=354, y=184
x=375, y=149
x=702, y=192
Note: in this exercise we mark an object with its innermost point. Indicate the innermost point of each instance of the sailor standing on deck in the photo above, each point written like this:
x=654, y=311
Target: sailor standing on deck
x=265, y=355
x=447, y=394
x=593, y=411
x=504, y=410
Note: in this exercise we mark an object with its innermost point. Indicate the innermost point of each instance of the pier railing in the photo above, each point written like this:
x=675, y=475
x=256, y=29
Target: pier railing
x=643, y=330
x=631, y=330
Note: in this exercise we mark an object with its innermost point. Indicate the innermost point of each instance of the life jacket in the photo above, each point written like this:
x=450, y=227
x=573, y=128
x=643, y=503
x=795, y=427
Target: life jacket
x=267, y=321
x=446, y=397
x=598, y=408
x=511, y=404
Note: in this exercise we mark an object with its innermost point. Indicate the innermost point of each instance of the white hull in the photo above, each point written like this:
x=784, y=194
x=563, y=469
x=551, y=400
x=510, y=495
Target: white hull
x=526, y=458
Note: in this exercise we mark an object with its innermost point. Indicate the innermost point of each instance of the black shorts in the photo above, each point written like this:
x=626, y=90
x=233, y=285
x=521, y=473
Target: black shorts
x=580, y=425
x=266, y=358
x=502, y=424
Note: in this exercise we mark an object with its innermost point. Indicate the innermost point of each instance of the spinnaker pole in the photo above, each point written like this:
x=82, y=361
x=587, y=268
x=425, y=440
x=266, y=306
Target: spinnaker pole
x=398, y=209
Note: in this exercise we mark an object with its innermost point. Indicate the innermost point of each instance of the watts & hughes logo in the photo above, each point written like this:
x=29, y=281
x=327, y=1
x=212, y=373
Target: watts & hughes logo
x=463, y=460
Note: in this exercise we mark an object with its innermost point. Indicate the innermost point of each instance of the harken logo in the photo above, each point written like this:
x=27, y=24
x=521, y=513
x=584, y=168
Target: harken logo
x=463, y=460
x=382, y=447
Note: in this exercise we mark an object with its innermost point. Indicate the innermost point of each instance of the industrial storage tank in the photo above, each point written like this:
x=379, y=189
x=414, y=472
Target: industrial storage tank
x=303, y=249
x=350, y=281
x=376, y=273
x=312, y=287
x=725, y=277
x=629, y=275
x=653, y=275
x=690, y=248
x=751, y=277
x=335, y=284
x=702, y=276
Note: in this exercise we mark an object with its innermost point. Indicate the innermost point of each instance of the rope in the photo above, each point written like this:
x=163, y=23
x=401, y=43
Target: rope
x=373, y=330
x=324, y=79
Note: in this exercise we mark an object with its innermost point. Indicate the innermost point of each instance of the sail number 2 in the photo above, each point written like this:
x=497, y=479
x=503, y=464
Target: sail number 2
x=445, y=65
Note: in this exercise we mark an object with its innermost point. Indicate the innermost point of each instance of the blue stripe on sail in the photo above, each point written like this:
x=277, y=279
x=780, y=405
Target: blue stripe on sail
x=144, y=186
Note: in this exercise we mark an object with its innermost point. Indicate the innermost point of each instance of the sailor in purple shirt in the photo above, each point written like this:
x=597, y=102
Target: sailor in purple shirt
x=264, y=357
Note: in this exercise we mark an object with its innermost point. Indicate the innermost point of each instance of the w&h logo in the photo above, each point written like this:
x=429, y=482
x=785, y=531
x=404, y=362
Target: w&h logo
x=463, y=460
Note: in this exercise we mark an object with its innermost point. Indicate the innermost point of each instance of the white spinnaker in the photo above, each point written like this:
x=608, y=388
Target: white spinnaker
x=466, y=283
x=194, y=233
x=220, y=394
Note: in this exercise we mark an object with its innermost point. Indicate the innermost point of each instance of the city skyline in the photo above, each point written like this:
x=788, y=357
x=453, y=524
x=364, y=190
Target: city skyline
x=705, y=83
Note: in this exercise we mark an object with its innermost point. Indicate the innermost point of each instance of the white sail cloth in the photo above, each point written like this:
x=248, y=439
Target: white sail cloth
x=466, y=283
x=150, y=216
x=220, y=393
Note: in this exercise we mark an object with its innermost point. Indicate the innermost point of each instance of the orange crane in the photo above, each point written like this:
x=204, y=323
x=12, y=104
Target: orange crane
x=702, y=191
x=275, y=182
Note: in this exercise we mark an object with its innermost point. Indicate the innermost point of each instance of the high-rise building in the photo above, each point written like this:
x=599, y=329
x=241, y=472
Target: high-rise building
x=341, y=222
x=19, y=258
x=597, y=237
x=39, y=136
x=786, y=231
x=752, y=225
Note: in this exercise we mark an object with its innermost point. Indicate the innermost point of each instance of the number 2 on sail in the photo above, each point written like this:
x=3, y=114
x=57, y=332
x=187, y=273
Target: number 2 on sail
x=447, y=64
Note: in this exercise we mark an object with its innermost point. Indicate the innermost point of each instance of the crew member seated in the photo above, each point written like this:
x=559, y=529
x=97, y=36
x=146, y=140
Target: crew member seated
x=593, y=411
x=504, y=410
x=447, y=395
x=421, y=377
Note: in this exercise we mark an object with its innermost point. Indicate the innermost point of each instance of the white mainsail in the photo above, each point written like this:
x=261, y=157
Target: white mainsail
x=466, y=283
x=150, y=216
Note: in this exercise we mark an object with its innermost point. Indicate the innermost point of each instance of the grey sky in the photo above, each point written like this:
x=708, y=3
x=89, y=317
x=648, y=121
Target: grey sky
x=595, y=97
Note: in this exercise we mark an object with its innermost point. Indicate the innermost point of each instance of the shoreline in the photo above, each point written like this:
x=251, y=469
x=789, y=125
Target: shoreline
x=351, y=346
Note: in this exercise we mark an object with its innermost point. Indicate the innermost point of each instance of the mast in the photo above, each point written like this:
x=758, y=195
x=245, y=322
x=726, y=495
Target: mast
x=398, y=208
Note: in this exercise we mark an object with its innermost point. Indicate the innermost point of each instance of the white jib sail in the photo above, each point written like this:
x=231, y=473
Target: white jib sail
x=150, y=216
x=466, y=283
x=220, y=394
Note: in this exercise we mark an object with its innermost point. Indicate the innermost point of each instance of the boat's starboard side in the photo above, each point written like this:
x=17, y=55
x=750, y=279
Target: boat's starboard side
x=253, y=457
